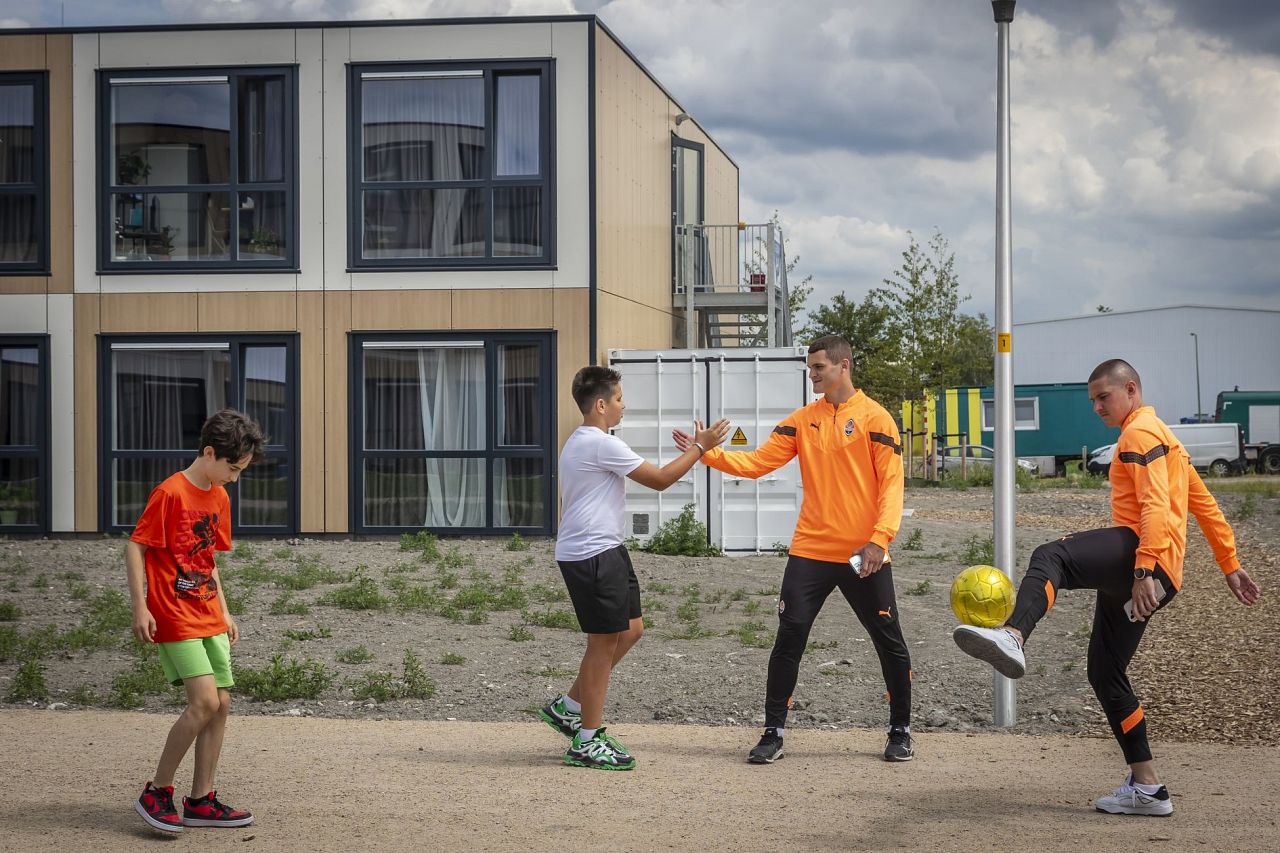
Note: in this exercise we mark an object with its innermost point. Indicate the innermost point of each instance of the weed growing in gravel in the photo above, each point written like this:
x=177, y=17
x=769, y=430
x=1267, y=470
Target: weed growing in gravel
x=690, y=631
x=1068, y=666
x=41, y=581
x=548, y=593
x=282, y=553
x=751, y=607
x=914, y=541
x=414, y=683
x=473, y=596
x=550, y=671
x=780, y=549
x=739, y=594
x=417, y=684
x=922, y=588
x=453, y=614
x=660, y=588
x=754, y=635
x=237, y=599
x=242, y=551
x=83, y=694
x=683, y=535
x=361, y=595
x=818, y=645
x=280, y=681
x=978, y=551
x=563, y=619
x=78, y=590
x=378, y=686
x=1248, y=507
x=402, y=567
x=304, y=634
x=9, y=612
x=768, y=591
x=418, y=597
x=692, y=592
x=455, y=559
x=426, y=544
x=285, y=605
x=479, y=616
x=146, y=678
x=649, y=603
x=517, y=543
x=446, y=579
x=510, y=598
x=451, y=659
x=310, y=571
x=354, y=655
x=28, y=683
x=520, y=634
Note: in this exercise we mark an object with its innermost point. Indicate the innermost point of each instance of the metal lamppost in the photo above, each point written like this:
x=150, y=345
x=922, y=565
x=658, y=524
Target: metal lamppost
x=1199, y=416
x=1004, y=517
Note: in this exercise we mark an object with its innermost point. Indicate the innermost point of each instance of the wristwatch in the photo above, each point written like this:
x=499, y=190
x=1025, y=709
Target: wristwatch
x=1140, y=573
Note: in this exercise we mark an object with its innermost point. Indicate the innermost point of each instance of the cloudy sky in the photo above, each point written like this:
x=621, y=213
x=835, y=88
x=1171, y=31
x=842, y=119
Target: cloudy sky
x=1146, y=137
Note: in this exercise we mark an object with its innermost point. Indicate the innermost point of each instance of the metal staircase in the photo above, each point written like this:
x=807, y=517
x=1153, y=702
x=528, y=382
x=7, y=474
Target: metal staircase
x=731, y=281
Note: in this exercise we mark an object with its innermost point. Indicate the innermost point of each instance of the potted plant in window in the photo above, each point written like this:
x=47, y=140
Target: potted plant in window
x=264, y=241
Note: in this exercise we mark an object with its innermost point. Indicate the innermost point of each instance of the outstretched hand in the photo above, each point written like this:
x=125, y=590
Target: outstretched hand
x=712, y=436
x=682, y=439
x=1243, y=587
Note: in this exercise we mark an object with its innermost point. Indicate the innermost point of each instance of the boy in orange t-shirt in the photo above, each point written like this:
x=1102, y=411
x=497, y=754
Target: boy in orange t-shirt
x=183, y=610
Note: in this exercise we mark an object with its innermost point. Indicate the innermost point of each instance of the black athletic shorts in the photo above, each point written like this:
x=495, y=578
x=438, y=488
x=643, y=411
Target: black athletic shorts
x=604, y=590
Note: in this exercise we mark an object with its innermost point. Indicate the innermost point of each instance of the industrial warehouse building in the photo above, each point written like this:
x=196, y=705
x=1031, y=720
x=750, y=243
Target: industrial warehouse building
x=393, y=244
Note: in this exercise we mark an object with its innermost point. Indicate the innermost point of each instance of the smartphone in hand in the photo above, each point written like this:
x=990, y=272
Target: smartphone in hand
x=1161, y=592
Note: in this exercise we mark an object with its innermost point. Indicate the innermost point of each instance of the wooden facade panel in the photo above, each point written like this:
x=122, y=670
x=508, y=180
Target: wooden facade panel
x=502, y=309
x=401, y=310
x=22, y=53
x=85, y=313
x=149, y=312
x=24, y=284
x=61, y=164
x=571, y=321
x=311, y=416
x=247, y=312
x=623, y=324
x=337, y=323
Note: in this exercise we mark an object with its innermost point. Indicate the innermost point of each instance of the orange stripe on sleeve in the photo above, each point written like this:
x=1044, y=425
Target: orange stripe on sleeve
x=1049, y=594
x=1127, y=724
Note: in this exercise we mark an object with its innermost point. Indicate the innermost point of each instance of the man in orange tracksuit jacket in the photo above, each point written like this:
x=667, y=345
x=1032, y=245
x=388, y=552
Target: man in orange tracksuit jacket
x=1153, y=487
x=851, y=467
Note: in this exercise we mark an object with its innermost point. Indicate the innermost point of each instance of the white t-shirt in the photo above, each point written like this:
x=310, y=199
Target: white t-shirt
x=592, y=491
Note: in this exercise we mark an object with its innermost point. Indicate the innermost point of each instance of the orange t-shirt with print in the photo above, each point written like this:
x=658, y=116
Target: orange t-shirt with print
x=182, y=526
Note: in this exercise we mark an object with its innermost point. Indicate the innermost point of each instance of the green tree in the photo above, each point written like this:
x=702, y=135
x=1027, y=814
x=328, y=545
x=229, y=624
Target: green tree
x=798, y=292
x=866, y=325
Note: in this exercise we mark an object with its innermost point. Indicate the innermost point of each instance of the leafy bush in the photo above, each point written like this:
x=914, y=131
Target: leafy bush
x=914, y=541
x=517, y=543
x=417, y=684
x=28, y=683
x=361, y=595
x=683, y=535
x=280, y=681
x=978, y=551
x=426, y=544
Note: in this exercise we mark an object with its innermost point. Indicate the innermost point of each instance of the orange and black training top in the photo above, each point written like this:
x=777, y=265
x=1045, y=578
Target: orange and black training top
x=851, y=467
x=1152, y=488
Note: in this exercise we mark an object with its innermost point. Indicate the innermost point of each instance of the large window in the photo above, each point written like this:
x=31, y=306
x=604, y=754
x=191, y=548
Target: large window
x=453, y=434
x=156, y=395
x=198, y=170
x=24, y=434
x=24, y=174
x=1026, y=413
x=451, y=165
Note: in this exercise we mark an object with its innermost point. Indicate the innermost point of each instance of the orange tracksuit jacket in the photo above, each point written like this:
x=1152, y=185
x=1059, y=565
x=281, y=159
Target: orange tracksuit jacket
x=851, y=468
x=1152, y=488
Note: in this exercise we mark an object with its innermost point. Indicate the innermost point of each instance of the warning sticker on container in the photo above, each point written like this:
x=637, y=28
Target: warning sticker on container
x=739, y=437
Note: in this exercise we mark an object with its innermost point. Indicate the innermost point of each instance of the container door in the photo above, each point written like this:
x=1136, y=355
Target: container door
x=755, y=394
x=660, y=393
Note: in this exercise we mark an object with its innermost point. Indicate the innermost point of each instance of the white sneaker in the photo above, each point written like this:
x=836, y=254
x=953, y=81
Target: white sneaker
x=996, y=646
x=1129, y=800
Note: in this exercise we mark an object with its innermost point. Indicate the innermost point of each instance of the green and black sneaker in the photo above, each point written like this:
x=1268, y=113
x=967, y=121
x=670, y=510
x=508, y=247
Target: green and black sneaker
x=559, y=717
x=602, y=752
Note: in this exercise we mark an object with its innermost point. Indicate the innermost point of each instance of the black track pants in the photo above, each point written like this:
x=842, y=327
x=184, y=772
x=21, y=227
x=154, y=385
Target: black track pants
x=1101, y=560
x=805, y=586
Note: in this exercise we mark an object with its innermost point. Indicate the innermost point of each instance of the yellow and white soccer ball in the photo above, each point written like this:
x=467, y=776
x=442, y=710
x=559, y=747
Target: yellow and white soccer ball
x=982, y=596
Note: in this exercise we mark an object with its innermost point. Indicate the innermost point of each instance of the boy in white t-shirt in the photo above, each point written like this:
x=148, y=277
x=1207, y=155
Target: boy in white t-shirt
x=594, y=562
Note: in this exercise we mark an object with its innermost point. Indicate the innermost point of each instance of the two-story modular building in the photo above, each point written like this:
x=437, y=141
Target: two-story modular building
x=391, y=243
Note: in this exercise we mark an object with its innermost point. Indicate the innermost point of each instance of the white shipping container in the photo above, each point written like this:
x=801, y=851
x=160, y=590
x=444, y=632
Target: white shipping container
x=755, y=389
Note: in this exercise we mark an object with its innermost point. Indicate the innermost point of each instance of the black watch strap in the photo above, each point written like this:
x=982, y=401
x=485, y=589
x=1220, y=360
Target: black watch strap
x=1140, y=573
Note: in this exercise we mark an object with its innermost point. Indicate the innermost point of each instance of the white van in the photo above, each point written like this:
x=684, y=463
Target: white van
x=1215, y=448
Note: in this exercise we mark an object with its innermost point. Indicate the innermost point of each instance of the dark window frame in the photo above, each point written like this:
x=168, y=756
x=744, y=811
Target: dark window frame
x=678, y=143
x=289, y=186
x=41, y=451
x=291, y=453
x=492, y=451
x=39, y=186
x=546, y=180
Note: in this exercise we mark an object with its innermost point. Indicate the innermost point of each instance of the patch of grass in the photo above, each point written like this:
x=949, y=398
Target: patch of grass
x=402, y=567
x=1245, y=486
x=510, y=598
x=479, y=616
x=819, y=645
x=690, y=631
x=9, y=611
x=1248, y=507
x=427, y=545
x=286, y=605
x=753, y=634
x=378, y=686
x=914, y=541
x=28, y=683
x=84, y=695
x=739, y=594
x=1068, y=666
x=978, y=551
x=550, y=671
x=309, y=571
x=661, y=588
x=520, y=634
x=238, y=598
x=516, y=542
x=414, y=683
x=242, y=551
x=280, y=681
x=451, y=659
x=303, y=634
x=146, y=678
x=354, y=655
x=473, y=596
x=768, y=591
x=283, y=553
x=454, y=559
x=417, y=684
x=361, y=595
x=78, y=590
x=563, y=619
x=688, y=611
x=546, y=593
x=255, y=571
x=692, y=592
x=751, y=607
x=649, y=603
x=447, y=579
x=683, y=535
x=416, y=597
x=922, y=588
x=41, y=581
x=453, y=614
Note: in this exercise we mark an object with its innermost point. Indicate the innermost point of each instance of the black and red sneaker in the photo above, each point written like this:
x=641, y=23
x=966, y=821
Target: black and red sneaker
x=208, y=811
x=156, y=807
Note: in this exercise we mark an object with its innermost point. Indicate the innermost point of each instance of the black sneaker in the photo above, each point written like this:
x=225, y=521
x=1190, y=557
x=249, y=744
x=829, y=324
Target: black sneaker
x=768, y=750
x=898, y=746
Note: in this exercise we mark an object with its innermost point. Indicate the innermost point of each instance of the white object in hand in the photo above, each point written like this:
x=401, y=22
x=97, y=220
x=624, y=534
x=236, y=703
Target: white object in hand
x=856, y=562
x=1160, y=594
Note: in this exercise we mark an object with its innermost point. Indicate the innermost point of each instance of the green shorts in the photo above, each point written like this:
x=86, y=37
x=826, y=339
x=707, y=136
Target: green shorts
x=183, y=659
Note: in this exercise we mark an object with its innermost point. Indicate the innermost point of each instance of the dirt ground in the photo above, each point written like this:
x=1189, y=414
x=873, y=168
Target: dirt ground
x=491, y=629
x=355, y=785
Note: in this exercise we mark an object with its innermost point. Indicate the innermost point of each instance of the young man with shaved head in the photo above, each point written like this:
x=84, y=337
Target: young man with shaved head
x=1139, y=560
x=851, y=464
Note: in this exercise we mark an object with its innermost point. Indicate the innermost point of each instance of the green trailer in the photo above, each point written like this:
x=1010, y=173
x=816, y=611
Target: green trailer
x=1258, y=414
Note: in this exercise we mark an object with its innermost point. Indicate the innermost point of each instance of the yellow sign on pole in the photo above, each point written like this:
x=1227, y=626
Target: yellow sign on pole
x=739, y=437
x=1004, y=342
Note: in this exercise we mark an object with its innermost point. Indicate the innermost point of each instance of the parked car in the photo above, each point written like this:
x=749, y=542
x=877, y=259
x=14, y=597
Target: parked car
x=948, y=460
x=1100, y=460
x=1216, y=448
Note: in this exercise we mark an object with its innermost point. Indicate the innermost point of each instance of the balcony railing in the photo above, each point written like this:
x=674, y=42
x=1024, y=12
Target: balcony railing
x=728, y=258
